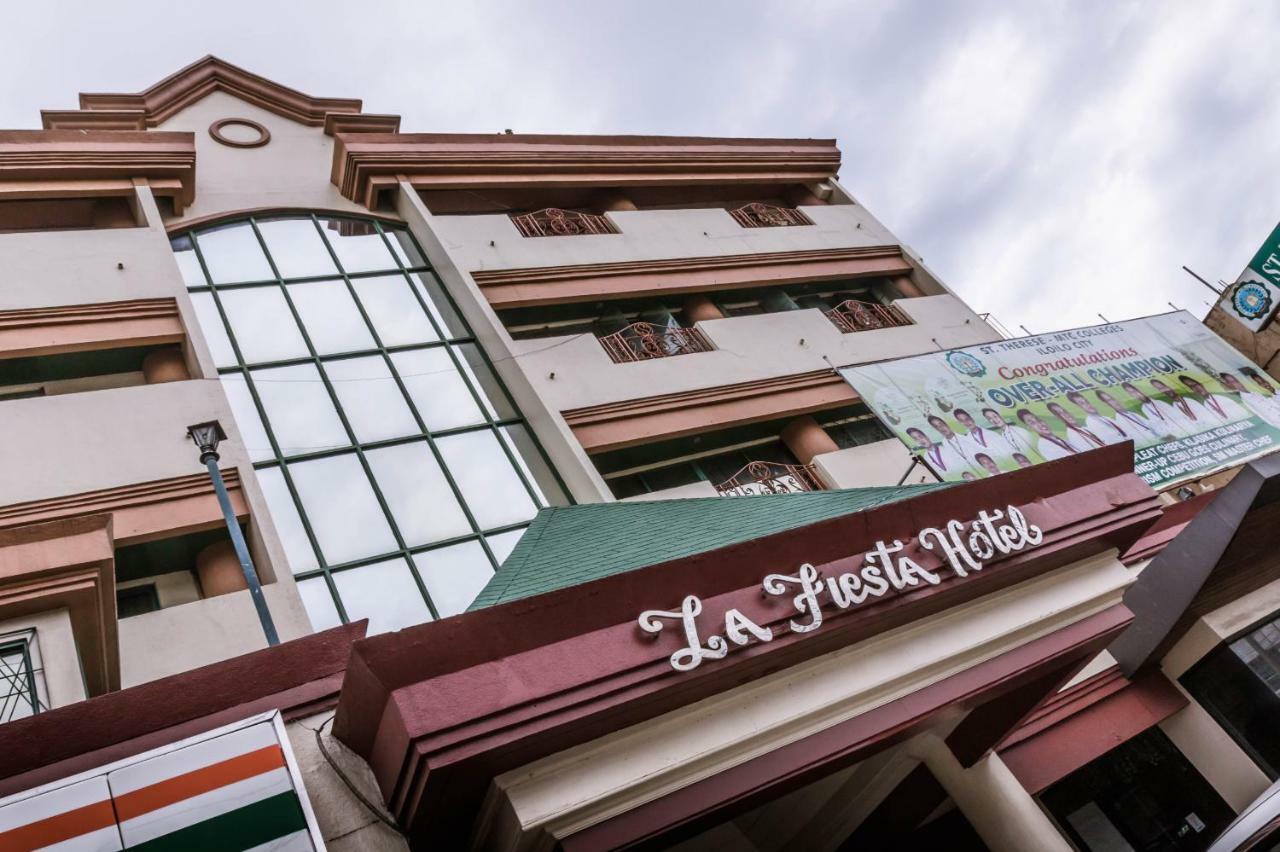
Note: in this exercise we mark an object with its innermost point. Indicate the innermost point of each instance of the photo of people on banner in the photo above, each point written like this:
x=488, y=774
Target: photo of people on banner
x=1189, y=402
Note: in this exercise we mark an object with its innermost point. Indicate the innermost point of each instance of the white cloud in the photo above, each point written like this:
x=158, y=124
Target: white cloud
x=1051, y=161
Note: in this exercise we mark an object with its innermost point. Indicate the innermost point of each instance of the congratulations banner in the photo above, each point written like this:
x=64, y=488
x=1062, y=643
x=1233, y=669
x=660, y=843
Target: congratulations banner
x=1190, y=403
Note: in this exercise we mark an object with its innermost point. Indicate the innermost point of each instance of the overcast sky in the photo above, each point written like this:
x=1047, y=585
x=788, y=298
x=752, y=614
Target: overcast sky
x=1050, y=161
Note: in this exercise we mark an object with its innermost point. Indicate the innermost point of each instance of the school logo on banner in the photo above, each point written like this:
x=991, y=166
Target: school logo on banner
x=963, y=362
x=1251, y=300
x=1253, y=297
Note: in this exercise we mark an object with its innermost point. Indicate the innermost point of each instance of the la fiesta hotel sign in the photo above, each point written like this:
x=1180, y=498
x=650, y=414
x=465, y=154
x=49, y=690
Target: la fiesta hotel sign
x=963, y=547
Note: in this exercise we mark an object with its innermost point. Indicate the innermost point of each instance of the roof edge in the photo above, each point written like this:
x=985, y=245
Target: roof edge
x=160, y=101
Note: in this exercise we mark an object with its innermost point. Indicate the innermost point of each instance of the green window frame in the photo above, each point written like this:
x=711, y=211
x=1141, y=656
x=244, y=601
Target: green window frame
x=445, y=341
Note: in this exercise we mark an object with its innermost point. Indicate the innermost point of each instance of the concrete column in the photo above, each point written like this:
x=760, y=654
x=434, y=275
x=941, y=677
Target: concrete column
x=574, y=465
x=1003, y=813
x=700, y=307
x=1215, y=755
x=907, y=288
x=806, y=439
x=165, y=365
x=219, y=570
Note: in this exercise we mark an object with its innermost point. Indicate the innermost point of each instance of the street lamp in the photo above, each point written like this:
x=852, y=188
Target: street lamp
x=206, y=437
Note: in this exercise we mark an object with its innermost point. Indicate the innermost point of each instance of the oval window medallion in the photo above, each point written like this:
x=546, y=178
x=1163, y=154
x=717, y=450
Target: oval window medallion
x=239, y=133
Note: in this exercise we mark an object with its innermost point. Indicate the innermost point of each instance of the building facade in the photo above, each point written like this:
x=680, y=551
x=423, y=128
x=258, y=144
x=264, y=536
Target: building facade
x=536, y=442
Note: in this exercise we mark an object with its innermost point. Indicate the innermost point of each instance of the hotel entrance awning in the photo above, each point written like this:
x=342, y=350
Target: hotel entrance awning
x=556, y=719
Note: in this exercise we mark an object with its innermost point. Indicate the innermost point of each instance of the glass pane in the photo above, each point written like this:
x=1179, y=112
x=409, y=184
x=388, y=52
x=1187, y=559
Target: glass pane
x=330, y=315
x=454, y=575
x=342, y=509
x=248, y=422
x=184, y=251
x=284, y=516
x=319, y=604
x=534, y=464
x=396, y=314
x=299, y=409
x=436, y=388
x=402, y=244
x=370, y=398
x=358, y=245
x=503, y=543
x=446, y=317
x=263, y=325
x=296, y=248
x=385, y=593
x=420, y=498
x=232, y=253
x=215, y=333
x=486, y=383
x=489, y=483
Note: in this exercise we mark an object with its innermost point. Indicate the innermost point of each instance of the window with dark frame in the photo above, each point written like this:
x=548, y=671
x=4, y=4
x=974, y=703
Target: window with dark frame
x=1238, y=683
x=19, y=690
x=136, y=600
x=398, y=470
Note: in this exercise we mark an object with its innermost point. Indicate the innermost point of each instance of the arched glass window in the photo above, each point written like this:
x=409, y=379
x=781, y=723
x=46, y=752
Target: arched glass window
x=398, y=471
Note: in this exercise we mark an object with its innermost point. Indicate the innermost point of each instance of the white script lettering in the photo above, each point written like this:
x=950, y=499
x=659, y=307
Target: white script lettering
x=962, y=547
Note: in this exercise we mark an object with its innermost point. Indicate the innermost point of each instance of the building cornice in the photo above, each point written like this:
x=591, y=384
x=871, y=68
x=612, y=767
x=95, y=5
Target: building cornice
x=67, y=564
x=103, y=119
x=615, y=425
x=60, y=553
x=591, y=282
x=45, y=163
x=1083, y=722
x=366, y=163
x=140, y=512
x=157, y=103
x=1172, y=522
x=105, y=325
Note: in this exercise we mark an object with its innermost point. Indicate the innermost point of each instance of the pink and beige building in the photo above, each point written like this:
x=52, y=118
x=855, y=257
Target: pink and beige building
x=491, y=397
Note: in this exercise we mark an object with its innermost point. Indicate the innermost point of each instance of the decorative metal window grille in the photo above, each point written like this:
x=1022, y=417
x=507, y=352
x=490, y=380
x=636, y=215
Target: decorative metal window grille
x=554, y=222
x=20, y=678
x=759, y=477
x=852, y=315
x=642, y=341
x=760, y=215
x=396, y=467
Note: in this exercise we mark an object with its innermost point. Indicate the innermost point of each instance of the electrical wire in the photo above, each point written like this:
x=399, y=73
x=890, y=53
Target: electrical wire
x=337, y=770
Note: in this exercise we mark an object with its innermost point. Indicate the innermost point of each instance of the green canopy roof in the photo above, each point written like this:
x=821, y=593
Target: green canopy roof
x=565, y=546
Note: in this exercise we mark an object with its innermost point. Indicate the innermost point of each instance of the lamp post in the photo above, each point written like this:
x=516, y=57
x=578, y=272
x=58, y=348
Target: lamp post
x=206, y=436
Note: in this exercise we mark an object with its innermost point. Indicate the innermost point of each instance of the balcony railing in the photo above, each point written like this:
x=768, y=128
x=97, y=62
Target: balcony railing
x=758, y=215
x=854, y=316
x=760, y=477
x=642, y=341
x=554, y=222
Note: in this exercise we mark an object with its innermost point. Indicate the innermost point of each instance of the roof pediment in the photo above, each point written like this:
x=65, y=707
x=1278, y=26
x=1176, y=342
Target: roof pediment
x=157, y=103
